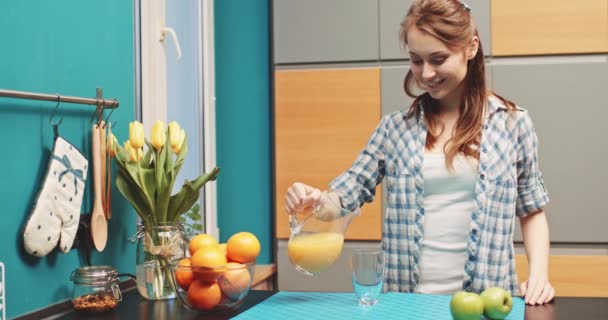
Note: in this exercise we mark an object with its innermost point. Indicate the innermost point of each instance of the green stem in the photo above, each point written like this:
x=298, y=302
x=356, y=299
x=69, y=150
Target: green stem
x=143, y=184
x=162, y=269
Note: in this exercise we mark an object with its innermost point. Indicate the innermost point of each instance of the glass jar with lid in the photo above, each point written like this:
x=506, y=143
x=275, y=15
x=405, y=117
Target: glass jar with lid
x=95, y=289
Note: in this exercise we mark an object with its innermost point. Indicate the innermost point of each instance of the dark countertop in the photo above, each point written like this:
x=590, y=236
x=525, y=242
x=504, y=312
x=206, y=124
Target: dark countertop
x=135, y=307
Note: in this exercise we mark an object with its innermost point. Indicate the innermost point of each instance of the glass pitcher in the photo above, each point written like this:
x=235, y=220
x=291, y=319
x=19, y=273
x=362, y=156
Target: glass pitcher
x=316, y=241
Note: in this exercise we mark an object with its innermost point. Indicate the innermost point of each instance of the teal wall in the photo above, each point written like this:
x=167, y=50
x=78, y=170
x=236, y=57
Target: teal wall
x=71, y=47
x=68, y=47
x=243, y=120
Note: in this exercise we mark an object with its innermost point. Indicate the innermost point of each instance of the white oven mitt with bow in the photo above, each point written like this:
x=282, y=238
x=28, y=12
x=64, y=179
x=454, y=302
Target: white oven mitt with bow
x=57, y=209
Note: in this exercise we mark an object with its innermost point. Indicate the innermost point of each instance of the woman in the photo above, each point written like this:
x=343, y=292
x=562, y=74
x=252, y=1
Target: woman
x=459, y=165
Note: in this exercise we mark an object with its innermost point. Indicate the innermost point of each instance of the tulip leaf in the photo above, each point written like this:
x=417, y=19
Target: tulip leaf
x=149, y=144
x=183, y=200
x=149, y=181
x=134, y=187
x=146, y=161
x=144, y=179
x=159, y=166
x=180, y=159
x=168, y=162
x=133, y=195
x=162, y=197
x=188, y=194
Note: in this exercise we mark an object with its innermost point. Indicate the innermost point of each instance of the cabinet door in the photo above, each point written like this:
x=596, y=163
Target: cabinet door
x=323, y=119
x=566, y=98
x=523, y=27
x=325, y=30
x=394, y=97
x=392, y=12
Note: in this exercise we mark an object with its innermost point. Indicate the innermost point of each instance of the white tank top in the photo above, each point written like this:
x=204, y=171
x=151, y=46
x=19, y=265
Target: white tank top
x=448, y=206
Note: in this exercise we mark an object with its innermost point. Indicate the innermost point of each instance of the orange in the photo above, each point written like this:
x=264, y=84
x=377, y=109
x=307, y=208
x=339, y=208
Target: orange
x=199, y=241
x=204, y=296
x=235, y=280
x=222, y=247
x=243, y=247
x=184, y=276
x=209, y=263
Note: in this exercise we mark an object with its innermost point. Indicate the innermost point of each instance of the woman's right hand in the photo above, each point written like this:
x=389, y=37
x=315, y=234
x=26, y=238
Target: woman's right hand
x=300, y=196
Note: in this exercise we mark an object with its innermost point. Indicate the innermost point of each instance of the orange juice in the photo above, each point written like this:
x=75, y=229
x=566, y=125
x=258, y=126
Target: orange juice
x=315, y=252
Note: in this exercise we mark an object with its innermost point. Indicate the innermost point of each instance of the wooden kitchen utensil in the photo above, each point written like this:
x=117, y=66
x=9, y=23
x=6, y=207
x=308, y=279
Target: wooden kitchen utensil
x=102, y=153
x=99, y=224
x=108, y=190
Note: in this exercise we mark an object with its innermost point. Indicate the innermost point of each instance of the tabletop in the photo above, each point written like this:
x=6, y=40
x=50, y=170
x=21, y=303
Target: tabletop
x=136, y=307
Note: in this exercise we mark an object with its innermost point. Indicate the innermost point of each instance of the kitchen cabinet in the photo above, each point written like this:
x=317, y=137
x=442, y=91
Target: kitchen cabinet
x=325, y=30
x=566, y=100
x=546, y=27
x=323, y=119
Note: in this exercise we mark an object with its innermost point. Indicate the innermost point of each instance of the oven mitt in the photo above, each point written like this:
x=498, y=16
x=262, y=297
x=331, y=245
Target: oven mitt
x=57, y=209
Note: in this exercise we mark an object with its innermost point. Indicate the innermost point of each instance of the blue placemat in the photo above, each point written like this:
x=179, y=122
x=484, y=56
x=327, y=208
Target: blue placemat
x=338, y=306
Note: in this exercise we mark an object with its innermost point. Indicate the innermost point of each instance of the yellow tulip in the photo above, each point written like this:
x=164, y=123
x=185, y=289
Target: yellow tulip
x=130, y=151
x=174, y=134
x=158, y=135
x=140, y=154
x=110, y=143
x=136, y=134
x=181, y=139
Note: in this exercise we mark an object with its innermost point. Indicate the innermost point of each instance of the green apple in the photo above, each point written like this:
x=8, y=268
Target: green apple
x=497, y=303
x=466, y=306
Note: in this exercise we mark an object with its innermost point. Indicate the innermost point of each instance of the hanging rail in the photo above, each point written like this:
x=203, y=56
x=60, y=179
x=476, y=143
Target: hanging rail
x=99, y=102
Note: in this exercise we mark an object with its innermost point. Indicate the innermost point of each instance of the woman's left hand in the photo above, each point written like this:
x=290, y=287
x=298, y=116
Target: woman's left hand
x=537, y=291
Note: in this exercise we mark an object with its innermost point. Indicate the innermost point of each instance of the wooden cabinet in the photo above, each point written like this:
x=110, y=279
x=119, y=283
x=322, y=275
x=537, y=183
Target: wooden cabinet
x=323, y=119
x=573, y=276
x=542, y=27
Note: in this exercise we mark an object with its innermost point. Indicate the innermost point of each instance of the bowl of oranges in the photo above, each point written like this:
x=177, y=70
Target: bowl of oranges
x=217, y=276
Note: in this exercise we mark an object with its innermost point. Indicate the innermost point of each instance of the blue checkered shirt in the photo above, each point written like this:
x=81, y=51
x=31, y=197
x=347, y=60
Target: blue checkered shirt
x=509, y=183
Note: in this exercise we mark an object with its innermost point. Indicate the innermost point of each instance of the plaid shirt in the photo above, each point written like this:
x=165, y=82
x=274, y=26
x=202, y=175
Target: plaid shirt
x=509, y=183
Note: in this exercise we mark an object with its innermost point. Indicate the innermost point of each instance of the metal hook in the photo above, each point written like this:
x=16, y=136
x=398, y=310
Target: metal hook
x=53, y=124
x=108, y=117
x=55, y=111
x=111, y=126
x=98, y=113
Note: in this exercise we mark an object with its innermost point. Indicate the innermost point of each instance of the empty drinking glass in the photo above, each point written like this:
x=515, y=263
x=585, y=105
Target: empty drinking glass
x=367, y=266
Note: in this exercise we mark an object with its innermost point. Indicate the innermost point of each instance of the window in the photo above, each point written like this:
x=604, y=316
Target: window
x=174, y=43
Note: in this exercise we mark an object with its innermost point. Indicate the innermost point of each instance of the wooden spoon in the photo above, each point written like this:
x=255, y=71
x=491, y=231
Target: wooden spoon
x=99, y=225
x=102, y=152
x=109, y=183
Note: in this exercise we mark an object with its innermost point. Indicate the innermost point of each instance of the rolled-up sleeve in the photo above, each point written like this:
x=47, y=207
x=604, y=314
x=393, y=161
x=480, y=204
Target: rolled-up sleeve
x=357, y=185
x=531, y=192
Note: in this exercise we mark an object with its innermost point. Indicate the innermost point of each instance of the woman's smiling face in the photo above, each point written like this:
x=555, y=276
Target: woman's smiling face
x=438, y=69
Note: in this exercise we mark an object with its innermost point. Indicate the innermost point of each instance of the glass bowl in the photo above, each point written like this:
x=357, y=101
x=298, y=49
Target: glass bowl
x=212, y=289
